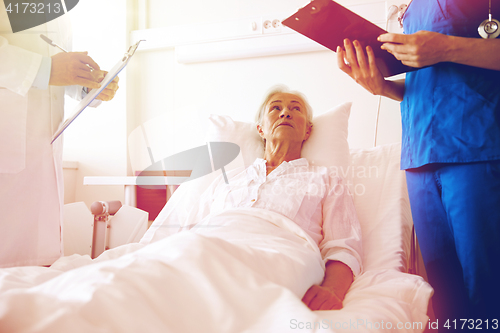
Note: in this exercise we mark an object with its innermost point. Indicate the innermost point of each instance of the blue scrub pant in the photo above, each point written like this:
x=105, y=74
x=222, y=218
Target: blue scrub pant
x=456, y=213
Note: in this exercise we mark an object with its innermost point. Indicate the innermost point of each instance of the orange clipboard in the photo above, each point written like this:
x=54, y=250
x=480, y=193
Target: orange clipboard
x=329, y=23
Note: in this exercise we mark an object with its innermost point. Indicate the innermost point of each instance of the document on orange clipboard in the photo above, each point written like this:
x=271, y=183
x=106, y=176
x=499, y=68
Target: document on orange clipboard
x=329, y=23
x=95, y=92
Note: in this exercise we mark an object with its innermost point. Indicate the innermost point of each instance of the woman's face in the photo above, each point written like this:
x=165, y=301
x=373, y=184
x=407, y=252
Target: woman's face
x=285, y=118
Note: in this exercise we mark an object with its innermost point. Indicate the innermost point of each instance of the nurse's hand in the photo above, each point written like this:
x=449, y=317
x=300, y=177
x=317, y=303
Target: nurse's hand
x=361, y=67
x=109, y=92
x=71, y=69
x=421, y=49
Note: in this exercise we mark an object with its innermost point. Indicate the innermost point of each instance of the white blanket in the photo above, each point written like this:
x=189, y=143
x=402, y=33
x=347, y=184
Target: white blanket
x=244, y=271
x=189, y=282
x=237, y=272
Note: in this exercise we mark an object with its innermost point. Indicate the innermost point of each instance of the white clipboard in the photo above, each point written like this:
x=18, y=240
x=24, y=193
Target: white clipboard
x=95, y=92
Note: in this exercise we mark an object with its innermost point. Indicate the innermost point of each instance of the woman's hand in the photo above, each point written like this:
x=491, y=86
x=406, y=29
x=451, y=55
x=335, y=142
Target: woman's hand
x=361, y=68
x=330, y=294
x=322, y=298
x=421, y=49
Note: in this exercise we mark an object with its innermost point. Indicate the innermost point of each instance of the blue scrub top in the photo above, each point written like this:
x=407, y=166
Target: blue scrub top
x=450, y=112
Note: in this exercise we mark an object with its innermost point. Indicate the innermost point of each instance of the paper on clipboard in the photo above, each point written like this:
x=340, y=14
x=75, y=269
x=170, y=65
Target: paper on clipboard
x=329, y=23
x=95, y=92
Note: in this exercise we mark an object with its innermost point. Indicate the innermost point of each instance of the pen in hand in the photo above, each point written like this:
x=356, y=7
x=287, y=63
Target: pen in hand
x=51, y=42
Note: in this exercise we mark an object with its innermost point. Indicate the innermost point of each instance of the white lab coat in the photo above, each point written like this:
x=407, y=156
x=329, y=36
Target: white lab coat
x=31, y=179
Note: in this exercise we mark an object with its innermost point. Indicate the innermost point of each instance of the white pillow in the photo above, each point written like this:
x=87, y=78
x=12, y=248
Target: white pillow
x=383, y=207
x=327, y=145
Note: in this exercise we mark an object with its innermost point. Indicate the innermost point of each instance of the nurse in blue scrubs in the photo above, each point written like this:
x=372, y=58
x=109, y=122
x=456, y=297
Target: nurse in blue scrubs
x=450, y=110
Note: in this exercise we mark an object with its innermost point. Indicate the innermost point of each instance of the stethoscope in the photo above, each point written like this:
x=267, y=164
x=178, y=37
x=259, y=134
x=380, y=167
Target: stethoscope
x=489, y=28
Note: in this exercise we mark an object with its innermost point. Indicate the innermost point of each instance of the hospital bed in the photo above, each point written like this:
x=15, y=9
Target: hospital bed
x=199, y=284
x=108, y=224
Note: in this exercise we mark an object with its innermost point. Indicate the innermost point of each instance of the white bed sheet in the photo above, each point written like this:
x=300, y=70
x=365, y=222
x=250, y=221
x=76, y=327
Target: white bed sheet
x=200, y=282
x=383, y=207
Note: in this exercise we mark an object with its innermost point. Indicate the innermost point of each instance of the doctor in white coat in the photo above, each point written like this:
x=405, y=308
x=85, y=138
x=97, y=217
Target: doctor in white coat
x=32, y=89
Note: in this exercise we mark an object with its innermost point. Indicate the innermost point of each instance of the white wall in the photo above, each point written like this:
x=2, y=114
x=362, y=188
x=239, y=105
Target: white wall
x=97, y=138
x=175, y=98
x=163, y=89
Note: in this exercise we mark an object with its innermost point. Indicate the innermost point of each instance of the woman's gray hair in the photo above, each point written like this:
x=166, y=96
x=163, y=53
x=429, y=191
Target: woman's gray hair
x=282, y=89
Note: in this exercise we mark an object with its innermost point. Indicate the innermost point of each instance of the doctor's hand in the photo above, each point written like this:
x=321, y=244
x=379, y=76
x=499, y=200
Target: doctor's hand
x=322, y=298
x=71, y=69
x=361, y=67
x=423, y=48
x=109, y=92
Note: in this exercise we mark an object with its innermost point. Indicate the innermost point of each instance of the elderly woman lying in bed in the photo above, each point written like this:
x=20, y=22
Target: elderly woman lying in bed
x=284, y=123
x=285, y=183
x=255, y=248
